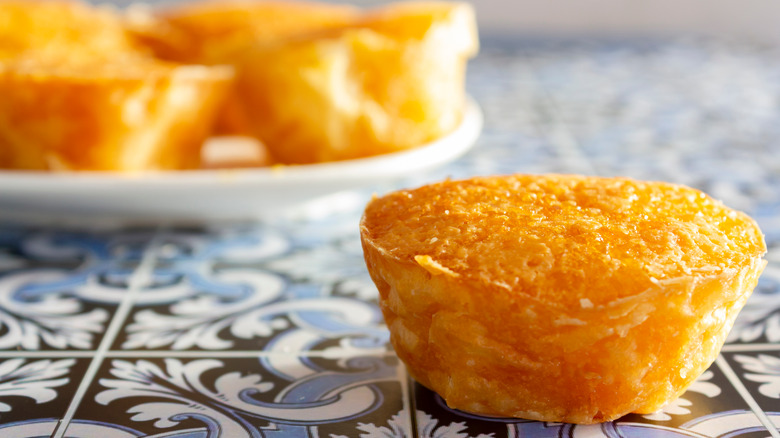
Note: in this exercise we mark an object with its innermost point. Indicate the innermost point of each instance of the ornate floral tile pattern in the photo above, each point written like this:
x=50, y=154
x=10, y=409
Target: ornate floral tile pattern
x=273, y=396
x=273, y=329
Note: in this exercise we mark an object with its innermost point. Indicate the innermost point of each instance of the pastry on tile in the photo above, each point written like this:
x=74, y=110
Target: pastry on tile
x=559, y=298
x=344, y=84
x=78, y=94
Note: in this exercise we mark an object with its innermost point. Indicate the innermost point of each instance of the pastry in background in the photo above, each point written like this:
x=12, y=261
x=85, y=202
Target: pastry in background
x=559, y=298
x=391, y=82
x=223, y=32
x=88, y=88
x=216, y=32
x=133, y=116
x=50, y=28
x=78, y=93
x=332, y=84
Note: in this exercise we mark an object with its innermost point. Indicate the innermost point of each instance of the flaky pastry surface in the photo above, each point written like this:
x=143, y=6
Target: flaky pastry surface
x=559, y=298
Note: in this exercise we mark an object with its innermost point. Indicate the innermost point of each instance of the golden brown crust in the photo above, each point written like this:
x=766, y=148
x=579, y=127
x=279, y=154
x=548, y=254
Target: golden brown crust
x=559, y=298
x=78, y=93
x=224, y=32
x=76, y=118
x=215, y=32
x=390, y=82
x=320, y=82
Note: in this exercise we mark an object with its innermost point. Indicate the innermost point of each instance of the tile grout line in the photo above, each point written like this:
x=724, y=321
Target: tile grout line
x=743, y=391
x=236, y=354
x=408, y=400
x=120, y=315
x=183, y=354
x=413, y=405
x=736, y=348
x=47, y=354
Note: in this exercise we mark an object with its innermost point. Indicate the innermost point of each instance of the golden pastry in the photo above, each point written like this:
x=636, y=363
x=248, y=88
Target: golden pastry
x=78, y=93
x=328, y=83
x=49, y=28
x=559, y=298
x=224, y=32
x=216, y=32
x=389, y=83
x=121, y=116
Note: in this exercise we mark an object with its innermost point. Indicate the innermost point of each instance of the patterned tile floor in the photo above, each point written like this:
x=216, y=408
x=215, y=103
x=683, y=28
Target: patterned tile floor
x=273, y=330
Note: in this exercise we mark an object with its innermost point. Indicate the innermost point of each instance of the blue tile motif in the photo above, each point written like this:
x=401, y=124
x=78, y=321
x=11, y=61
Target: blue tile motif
x=271, y=396
x=256, y=290
x=63, y=293
x=31, y=391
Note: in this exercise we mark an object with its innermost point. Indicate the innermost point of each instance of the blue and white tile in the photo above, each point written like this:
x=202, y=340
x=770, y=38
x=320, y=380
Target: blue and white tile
x=35, y=393
x=237, y=243
x=24, y=248
x=73, y=249
x=65, y=288
x=270, y=396
x=759, y=320
x=42, y=267
x=759, y=372
x=102, y=258
x=261, y=292
x=46, y=310
x=641, y=117
x=244, y=309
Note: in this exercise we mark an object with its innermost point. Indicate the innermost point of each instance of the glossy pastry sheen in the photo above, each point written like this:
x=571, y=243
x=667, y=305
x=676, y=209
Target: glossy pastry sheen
x=559, y=298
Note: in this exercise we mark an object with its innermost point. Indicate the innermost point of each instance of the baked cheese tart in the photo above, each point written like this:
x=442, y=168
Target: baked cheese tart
x=556, y=297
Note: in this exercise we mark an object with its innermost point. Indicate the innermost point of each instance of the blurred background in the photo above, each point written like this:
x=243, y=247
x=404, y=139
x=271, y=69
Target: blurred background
x=686, y=91
x=756, y=20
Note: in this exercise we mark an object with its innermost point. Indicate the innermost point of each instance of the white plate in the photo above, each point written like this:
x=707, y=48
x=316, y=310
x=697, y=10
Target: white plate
x=218, y=194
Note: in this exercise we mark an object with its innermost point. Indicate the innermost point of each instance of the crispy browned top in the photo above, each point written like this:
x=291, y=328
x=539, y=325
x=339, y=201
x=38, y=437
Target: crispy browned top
x=562, y=238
